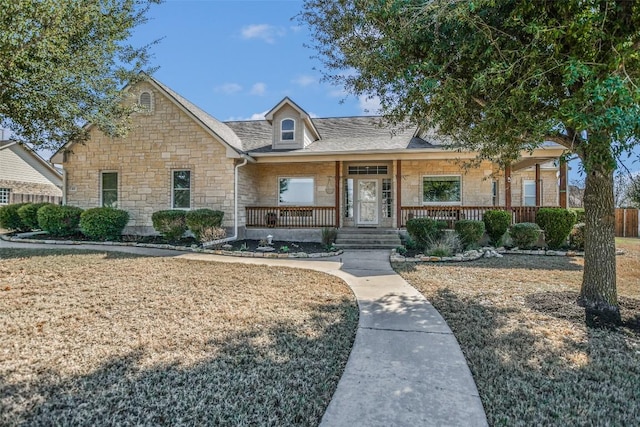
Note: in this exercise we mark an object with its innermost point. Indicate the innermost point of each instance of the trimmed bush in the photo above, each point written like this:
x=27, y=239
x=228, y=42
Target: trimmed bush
x=199, y=219
x=329, y=235
x=524, y=234
x=496, y=223
x=103, y=223
x=576, y=237
x=171, y=224
x=59, y=220
x=29, y=214
x=557, y=224
x=579, y=214
x=470, y=231
x=425, y=231
x=10, y=219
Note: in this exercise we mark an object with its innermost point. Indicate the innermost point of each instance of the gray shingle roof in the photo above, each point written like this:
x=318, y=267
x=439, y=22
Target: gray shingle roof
x=346, y=134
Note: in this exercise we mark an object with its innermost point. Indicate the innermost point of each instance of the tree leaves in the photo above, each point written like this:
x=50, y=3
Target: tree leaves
x=497, y=76
x=64, y=64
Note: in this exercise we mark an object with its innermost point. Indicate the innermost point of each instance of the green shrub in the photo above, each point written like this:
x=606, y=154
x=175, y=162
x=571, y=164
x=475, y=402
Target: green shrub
x=401, y=250
x=579, y=214
x=10, y=219
x=524, y=234
x=199, y=219
x=425, y=231
x=171, y=224
x=29, y=214
x=496, y=223
x=409, y=243
x=329, y=235
x=103, y=223
x=557, y=224
x=59, y=220
x=470, y=231
x=446, y=245
x=576, y=237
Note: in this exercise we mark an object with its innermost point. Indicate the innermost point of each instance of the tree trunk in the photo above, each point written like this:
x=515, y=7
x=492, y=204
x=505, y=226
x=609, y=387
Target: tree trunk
x=598, y=294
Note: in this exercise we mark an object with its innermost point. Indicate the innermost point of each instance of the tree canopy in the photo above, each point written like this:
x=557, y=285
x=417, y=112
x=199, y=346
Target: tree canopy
x=500, y=77
x=63, y=64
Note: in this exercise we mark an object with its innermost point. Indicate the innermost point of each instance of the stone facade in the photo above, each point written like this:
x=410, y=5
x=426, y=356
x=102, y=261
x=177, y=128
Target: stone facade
x=169, y=138
x=162, y=141
x=30, y=191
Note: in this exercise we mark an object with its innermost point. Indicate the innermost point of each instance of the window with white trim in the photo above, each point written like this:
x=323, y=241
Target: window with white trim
x=5, y=194
x=442, y=190
x=528, y=192
x=296, y=191
x=181, y=189
x=109, y=189
x=287, y=130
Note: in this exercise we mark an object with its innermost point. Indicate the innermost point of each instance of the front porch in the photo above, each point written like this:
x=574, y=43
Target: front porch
x=325, y=216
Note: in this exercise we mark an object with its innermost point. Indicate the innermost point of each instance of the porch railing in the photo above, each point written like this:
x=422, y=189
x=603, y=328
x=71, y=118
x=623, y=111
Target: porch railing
x=291, y=216
x=451, y=214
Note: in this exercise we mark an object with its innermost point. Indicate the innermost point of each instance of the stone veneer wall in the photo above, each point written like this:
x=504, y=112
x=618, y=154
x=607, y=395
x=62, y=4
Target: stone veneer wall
x=164, y=140
x=266, y=181
x=476, y=182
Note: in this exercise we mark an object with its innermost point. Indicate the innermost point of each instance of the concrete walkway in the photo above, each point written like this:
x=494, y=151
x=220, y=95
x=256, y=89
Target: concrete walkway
x=406, y=367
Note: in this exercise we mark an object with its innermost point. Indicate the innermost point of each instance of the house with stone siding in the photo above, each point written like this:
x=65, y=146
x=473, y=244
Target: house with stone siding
x=290, y=175
x=27, y=177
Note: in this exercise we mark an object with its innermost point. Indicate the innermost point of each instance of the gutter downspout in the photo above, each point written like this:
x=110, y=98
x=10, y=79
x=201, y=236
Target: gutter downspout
x=235, y=206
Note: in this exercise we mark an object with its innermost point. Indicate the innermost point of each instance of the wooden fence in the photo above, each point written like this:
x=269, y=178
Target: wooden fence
x=626, y=222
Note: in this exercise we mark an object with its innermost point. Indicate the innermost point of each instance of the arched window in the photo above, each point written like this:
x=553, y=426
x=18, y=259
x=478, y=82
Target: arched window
x=287, y=130
x=146, y=101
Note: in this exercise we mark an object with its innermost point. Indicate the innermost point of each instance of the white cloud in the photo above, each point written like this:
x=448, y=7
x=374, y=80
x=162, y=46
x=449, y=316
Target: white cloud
x=305, y=80
x=264, y=32
x=338, y=93
x=255, y=116
x=258, y=89
x=369, y=104
x=228, y=88
x=259, y=116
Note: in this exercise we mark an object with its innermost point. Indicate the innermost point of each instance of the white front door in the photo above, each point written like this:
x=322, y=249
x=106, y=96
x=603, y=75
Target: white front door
x=368, y=202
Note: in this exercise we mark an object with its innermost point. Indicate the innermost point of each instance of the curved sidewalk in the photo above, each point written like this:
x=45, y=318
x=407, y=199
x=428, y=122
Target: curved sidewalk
x=405, y=368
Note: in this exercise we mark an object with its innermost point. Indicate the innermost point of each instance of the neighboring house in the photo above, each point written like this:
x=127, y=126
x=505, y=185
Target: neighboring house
x=26, y=177
x=292, y=171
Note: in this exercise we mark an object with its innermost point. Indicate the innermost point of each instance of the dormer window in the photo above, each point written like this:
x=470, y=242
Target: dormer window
x=146, y=102
x=287, y=130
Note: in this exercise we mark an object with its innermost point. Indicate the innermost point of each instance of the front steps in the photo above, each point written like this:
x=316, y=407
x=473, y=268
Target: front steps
x=367, y=238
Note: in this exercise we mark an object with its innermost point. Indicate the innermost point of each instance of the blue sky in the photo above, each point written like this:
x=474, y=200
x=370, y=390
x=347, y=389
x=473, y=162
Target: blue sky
x=238, y=59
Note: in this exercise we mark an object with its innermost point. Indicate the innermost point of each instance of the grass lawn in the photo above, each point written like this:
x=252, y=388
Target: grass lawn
x=534, y=360
x=115, y=339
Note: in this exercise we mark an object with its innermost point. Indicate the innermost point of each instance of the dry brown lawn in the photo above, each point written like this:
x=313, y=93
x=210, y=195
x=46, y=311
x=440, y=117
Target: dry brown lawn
x=526, y=341
x=114, y=339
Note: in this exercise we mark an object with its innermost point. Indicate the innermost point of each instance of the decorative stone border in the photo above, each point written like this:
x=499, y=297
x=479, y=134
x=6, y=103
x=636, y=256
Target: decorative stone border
x=194, y=248
x=485, y=252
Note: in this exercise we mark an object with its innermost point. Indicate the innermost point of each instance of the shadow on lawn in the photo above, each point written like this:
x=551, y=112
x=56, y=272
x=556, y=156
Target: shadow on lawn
x=267, y=375
x=530, y=377
x=16, y=253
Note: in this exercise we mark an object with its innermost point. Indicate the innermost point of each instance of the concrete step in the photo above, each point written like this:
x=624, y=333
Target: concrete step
x=367, y=238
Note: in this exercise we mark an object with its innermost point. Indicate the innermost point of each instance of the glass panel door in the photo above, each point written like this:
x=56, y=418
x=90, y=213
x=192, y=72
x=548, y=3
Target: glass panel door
x=367, y=201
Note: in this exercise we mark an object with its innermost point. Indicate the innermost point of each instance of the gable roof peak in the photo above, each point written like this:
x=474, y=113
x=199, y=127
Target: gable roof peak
x=303, y=114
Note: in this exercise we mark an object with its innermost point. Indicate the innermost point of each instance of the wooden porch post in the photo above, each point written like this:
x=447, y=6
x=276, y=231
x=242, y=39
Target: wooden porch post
x=337, y=193
x=563, y=184
x=507, y=186
x=538, y=186
x=398, y=193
